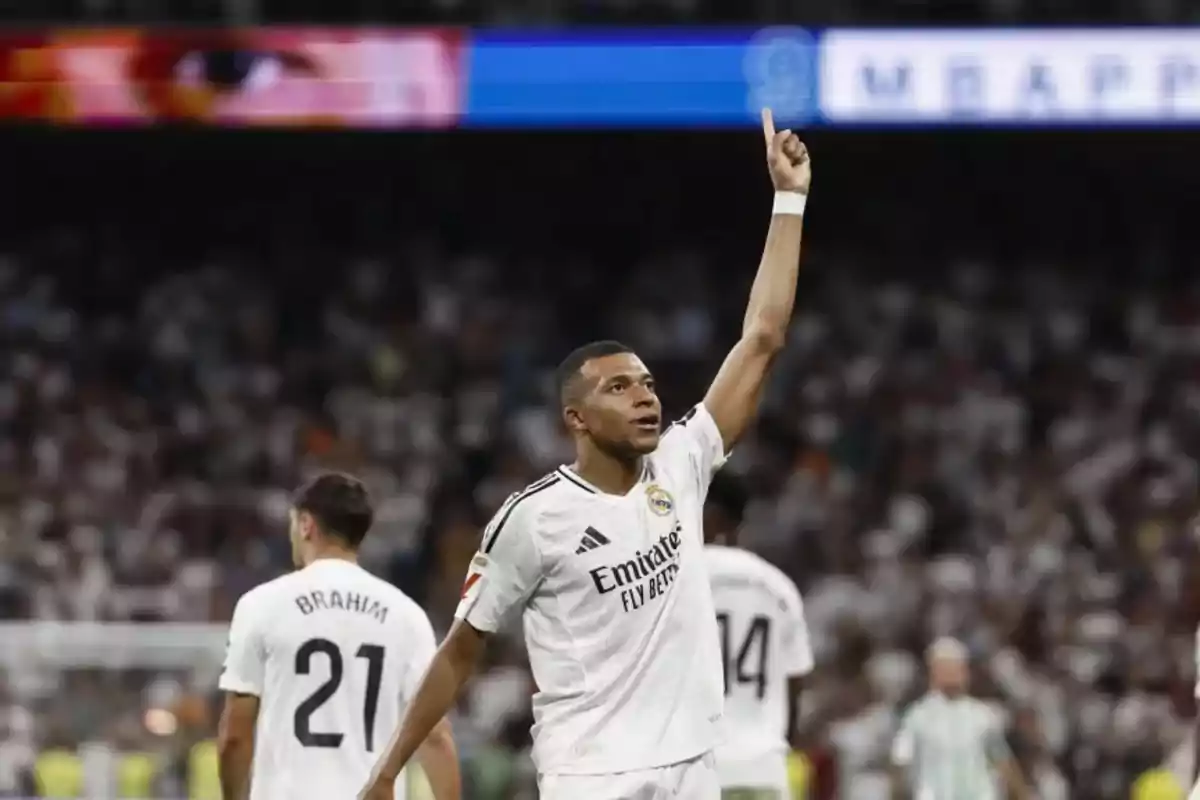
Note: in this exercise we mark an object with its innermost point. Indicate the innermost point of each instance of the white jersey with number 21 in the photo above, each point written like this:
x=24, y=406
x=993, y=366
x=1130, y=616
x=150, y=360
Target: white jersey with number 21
x=334, y=655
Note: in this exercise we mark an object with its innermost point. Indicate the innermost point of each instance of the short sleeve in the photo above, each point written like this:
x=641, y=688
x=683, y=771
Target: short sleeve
x=695, y=441
x=506, y=570
x=420, y=646
x=798, y=655
x=904, y=746
x=245, y=654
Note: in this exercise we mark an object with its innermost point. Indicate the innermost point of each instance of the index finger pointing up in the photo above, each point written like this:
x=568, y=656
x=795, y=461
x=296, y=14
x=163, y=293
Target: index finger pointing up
x=768, y=123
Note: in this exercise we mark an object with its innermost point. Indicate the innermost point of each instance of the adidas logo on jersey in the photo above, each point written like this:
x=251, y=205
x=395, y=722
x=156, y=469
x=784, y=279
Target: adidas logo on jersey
x=592, y=539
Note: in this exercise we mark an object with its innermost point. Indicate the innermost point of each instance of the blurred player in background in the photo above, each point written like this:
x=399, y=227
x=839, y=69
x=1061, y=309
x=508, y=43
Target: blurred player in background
x=605, y=559
x=767, y=653
x=950, y=745
x=321, y=662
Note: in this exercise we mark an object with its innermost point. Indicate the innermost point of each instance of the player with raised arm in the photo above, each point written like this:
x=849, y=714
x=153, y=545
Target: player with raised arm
x=767, y=653
x=605, y=560
x=321, y=663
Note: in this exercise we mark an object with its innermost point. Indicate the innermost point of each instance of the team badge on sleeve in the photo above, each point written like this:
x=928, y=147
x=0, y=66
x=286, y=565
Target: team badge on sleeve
x=660, y=500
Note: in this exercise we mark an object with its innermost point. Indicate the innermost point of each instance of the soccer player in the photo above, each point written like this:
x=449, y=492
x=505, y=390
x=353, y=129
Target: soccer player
x=951, y=746
x=766, y=655
x=604, y=558
x=321, y=662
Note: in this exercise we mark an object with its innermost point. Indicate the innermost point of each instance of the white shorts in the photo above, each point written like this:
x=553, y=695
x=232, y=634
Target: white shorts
x=767, y=772
x=687, y=780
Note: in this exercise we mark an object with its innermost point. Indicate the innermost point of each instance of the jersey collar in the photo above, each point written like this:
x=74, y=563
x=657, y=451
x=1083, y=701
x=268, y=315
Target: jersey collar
x=573, y=478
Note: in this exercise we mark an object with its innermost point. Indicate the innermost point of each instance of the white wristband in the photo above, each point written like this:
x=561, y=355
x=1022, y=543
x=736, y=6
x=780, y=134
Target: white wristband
x=789, y=203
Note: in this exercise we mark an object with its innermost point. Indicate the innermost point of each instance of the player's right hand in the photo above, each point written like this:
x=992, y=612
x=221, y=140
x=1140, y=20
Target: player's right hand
x=378, y=790
x=787, y=158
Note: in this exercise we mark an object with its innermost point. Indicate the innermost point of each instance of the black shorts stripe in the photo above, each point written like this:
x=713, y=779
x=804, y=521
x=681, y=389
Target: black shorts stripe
x=530, y=491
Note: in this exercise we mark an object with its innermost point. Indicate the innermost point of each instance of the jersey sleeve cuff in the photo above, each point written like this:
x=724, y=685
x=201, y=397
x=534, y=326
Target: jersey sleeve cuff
x=710, y=434
x=468, y=612
x=238, y=686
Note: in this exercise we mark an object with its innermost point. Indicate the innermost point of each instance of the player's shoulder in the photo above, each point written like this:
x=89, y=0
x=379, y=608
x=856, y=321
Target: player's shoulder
x=522, y=514
x=984, y=710
x=737, y=561
x=684, y=427
x=409, y=609
x=262, y=598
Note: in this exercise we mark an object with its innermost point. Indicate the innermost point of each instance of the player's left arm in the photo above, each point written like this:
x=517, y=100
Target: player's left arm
x=1006, y=763
x=798, y=658
x=235, y=744
x=241, y=680
x=734, y=395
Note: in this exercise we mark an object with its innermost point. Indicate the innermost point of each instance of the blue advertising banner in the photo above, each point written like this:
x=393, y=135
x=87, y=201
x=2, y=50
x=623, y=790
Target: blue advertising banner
x=664, y=78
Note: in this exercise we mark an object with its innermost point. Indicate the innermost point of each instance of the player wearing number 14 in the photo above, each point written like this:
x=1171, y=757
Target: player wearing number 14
x=767, y=653
x=321, y=663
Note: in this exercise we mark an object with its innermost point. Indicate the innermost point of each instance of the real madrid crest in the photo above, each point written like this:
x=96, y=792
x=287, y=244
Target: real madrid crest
x=660, y=500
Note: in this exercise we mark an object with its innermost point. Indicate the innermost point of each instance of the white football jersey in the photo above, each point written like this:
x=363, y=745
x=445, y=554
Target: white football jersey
x=765, y=642
x=334, y=654
x=617, y=611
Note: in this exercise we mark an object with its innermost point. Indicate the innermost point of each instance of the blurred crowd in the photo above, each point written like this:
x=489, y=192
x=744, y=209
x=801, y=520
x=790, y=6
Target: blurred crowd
x=984, y=445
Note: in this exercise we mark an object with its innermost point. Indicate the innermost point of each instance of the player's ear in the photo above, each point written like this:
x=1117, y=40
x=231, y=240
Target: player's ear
x=306, y=524
x=573, y=419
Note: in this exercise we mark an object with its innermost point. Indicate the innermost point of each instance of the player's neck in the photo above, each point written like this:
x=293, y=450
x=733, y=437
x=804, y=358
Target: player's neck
x=608, y=474
x=332, y=554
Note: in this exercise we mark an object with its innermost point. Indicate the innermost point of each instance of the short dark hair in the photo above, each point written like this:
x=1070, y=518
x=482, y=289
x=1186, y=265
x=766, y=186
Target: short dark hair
x=339, y=503
x=569, y=368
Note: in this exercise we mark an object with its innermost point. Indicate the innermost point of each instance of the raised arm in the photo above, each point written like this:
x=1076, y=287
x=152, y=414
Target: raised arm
x=733, y=398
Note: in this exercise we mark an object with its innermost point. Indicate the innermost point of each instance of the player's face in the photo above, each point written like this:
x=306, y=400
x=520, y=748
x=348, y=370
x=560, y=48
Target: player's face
x=621, y=411
x=949, y=674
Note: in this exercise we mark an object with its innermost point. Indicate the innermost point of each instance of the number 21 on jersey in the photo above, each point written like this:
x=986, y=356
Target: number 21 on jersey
x=302, y=720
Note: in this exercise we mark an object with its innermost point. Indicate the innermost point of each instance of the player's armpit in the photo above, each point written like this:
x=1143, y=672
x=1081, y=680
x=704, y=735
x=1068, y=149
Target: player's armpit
x=235, y=744
x=452, y=665
x=439, y=761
